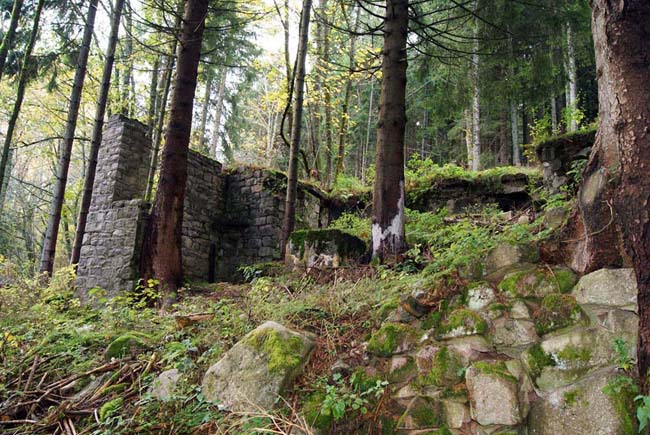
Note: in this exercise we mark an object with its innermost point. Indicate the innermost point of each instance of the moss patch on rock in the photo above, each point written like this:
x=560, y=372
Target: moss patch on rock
x=538, y=283
x=494, y=368
x=446, y=370
x=463, y=322
x=282, y=352
x=123, y=345
x=556, y=311
x=388, y=338
x=536, y=359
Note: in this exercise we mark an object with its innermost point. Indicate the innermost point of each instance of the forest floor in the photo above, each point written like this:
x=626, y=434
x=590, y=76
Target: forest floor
x=72, y=369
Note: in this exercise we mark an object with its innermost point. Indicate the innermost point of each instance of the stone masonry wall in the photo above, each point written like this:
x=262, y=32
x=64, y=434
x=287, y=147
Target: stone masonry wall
x=203, y=200
x=231, y=219
x=111, y=245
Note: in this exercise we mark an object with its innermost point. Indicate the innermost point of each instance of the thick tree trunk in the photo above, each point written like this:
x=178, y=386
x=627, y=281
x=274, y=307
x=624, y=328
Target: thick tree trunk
x=5, y=169
x=617, y=172
x=8, y=38
x=98, y=128
x=52, y=230
x=162, y=248
x=389, y=196
x=467, y=119
x=299, y=90
x=218, y=114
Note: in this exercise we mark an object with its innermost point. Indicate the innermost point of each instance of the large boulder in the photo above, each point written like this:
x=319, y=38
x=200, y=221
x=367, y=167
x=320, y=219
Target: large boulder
x=256, y=370
x=584, y=407
x=503, y=258
x=608, y=287
x=493, y=393
x=513, y=334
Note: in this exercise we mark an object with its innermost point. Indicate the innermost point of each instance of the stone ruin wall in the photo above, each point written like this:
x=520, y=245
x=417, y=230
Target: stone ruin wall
x=231, y=218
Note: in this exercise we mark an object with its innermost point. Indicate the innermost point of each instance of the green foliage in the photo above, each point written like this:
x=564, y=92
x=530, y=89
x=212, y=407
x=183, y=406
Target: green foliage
x=346, y=187
x=283, y=353
x=353, y=224
x=537, y=359
x=386, y=340
x=622, y=391
x=623, y=359
x=643, y=412
x=346, y=397
x=497, y=368
x=556, y=311
x=462, y=318
x=446, y=370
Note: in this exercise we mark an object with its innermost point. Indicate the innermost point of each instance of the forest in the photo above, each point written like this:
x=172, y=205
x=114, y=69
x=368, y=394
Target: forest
x=331, y=217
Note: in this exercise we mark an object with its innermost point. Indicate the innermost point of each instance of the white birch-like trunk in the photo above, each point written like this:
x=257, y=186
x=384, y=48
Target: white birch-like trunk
x=476, y=107
x=214, y=143
x=514, y=128
x=572, y=84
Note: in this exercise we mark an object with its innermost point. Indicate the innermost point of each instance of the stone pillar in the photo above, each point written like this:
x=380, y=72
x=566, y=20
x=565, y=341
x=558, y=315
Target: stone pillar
x=111, y=246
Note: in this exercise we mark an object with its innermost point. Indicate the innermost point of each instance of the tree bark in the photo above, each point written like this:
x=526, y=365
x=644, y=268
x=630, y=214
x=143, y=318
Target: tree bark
x=204, y=110
x=221, y=95
x=52, y=230
x=572, y=84
x=20, y=95
x=366, y=146
x=514, y=129
x=476, y=104
x=162, y=247
x=292, y=172
x=388, y=236
x=617, y=171
x=98, y=128
x=8, y=38
x=153, y=97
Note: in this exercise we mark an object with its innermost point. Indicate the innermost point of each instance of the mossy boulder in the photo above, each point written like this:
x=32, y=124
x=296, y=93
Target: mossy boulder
x=583, y=407
x=479, y=296
x=256, y=370
x=512, y=335
x=421, y=413
x=537, y=283
x=462, y=322
x=557, y=311
x=392, y=338
x=324, y=248
x=124, y=345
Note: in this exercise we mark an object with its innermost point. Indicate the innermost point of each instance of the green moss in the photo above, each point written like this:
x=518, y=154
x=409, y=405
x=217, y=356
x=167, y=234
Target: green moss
x=282, y=352
x=574, y=356
x=432, y=321
x=497, y=308
x=124, y=345
x=510, y=282
x=386, y=340
x=109, y=408
x=441, y=431
x=621, y=391
x=571, y=397
x=312, y=411
x=565, y=279
x=537, y=359
x=464, y=318
x=496, y=368
x=446, y=370
x=556, y=311
x=347, y=244
x=387, y=307
x=403, y=373
x=425, y=414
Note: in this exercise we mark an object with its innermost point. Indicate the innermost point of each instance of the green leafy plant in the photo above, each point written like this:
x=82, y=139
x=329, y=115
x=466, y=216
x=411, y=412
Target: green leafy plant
x=643, y=412
x=623, y=358
x=349, y=396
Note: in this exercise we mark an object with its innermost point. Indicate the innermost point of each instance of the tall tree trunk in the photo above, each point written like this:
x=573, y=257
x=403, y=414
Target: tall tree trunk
x=468, y=138
x=162, y=247
x=206, y=106
x=292, y=172
x=343, y=131
x=8, y=37
x=389, y=196
x=503, y=139
x=218, y=114
x=554, y=129
x=572, y=84
x=98, y=128
x=127, y=52
x=617, y=171
x=476, y=104
x=153, y=97
x=514, y=130
x=20, y=95
x=52, y=230
x=327, y=101
x=158, y=131
x=366, y=146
